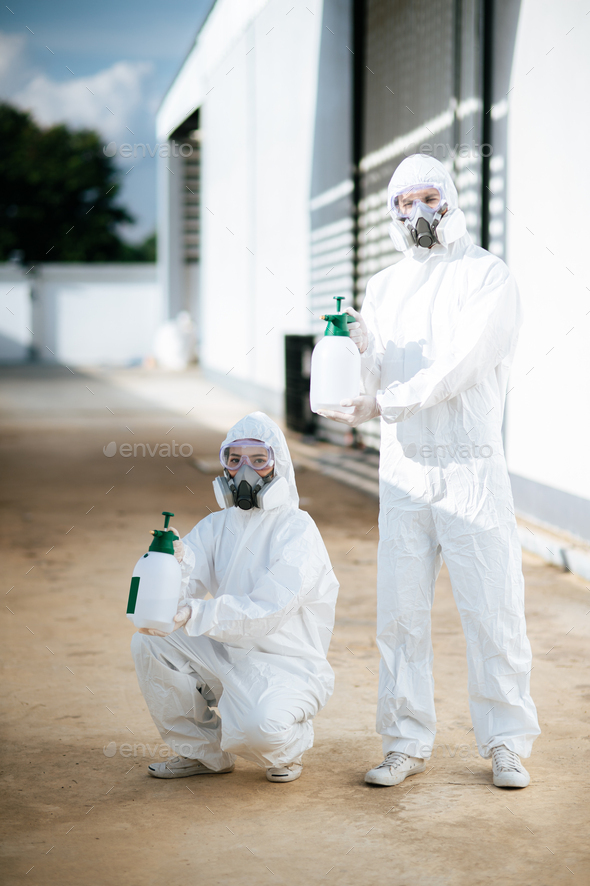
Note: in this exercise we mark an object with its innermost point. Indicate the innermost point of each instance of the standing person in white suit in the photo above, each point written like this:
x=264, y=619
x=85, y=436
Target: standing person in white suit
x=257, y=649
x=437, y=335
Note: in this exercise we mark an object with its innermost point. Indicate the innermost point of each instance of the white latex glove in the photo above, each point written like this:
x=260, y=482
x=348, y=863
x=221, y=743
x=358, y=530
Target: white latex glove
x=180, y=619
x=365, y=408
x=178, y=545
x=358, y=331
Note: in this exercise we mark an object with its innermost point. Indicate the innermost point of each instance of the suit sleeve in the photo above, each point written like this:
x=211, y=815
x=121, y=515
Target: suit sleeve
x=198, y=573
x=485, y=335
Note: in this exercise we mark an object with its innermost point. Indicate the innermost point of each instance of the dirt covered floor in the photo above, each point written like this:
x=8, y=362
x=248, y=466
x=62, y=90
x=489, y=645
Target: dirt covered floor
x=78, y=805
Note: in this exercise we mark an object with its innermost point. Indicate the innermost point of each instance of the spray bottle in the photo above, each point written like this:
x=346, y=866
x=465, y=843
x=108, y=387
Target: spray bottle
x=335, y=365
x=155, y=586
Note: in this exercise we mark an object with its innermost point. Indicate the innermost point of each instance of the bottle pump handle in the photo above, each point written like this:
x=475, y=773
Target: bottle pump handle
x=163, y=538
x=339, y=299
x=338, y=323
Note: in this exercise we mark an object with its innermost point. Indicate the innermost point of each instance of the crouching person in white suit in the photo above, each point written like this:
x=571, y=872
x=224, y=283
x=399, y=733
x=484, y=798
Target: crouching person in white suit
x=256, y=650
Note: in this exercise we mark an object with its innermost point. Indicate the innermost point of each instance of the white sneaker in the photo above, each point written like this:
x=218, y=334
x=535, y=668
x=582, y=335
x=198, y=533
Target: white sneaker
x=507, y=769
x=285, y=773
x=394, y=769
x=181, y=767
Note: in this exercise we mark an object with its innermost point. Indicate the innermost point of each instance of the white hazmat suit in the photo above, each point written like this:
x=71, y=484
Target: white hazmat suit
x=443, y=325
x=257, y=649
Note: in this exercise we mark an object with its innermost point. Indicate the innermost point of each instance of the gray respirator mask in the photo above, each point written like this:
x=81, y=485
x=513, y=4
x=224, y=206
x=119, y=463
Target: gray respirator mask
x=245, y=487
x=249, y=490
x=423, y=224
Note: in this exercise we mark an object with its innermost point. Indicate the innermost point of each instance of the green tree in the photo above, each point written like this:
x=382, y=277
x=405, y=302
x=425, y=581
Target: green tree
x=58, y=195
x=145, y=251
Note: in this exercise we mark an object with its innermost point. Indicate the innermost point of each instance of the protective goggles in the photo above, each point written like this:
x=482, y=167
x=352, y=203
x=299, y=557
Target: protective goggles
x=403, y=202
x=255, y=453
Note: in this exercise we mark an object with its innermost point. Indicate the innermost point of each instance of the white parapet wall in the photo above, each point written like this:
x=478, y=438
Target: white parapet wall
x=82, y=314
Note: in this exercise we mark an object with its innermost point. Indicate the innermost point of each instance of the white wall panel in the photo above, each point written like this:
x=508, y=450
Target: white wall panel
x=548, y=417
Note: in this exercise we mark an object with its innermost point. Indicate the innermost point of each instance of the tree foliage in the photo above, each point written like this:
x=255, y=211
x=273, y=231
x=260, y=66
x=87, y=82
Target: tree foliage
x=58, y=195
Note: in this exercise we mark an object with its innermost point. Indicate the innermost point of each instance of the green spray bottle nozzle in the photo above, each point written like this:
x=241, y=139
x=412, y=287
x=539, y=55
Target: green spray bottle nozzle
x=163, y=538
x=338, y=323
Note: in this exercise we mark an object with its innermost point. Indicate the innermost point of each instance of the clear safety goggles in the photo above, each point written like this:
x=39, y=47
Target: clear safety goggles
x=255, y=453
x=403, y=203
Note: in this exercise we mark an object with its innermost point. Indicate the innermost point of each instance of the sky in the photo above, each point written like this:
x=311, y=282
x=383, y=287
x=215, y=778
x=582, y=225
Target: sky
x=105, y=65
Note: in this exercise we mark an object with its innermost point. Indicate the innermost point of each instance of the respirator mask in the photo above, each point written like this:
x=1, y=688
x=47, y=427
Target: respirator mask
x=246, y=489
x=421, y=217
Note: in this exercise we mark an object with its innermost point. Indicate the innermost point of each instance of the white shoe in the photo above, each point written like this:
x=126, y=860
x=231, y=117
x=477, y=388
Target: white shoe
x=394, y=769
x=285, y=773
x=507, y=769
x=181, y=767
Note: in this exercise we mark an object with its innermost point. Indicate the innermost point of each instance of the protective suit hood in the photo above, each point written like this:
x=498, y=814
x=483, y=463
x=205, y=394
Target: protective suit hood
x=258, y=426
x=422, y=168
x=412, y=171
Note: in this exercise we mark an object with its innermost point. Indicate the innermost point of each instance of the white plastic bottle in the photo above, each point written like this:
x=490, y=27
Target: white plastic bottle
x=155, y=585
x=335, y=366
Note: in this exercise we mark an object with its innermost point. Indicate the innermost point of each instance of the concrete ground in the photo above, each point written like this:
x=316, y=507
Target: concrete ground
x=77, y=736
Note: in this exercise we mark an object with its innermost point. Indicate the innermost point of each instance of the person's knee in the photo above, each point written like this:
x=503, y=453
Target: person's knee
x=261, y=730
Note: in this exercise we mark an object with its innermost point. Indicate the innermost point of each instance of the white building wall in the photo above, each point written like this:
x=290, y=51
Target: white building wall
x=257, y=124
x=548, y=417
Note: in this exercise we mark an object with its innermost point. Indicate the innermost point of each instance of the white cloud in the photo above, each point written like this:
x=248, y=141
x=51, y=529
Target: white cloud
x=107, y=101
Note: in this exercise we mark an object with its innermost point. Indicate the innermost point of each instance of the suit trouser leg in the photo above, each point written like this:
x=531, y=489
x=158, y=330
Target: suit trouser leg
x=408, y=563
x=179, y=698
x=486, y=575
